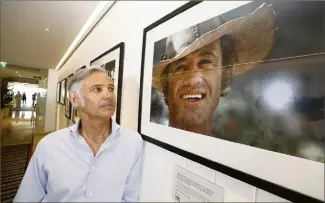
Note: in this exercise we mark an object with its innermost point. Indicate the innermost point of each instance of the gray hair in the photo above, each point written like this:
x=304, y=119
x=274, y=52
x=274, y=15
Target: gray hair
x=75, y=83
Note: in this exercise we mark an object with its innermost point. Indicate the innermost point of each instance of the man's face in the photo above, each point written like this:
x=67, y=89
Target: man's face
x=194, y=85
x=98, y=95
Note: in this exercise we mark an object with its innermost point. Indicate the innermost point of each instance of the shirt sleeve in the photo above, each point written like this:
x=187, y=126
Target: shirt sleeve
x=131, y=190
x=33, y=186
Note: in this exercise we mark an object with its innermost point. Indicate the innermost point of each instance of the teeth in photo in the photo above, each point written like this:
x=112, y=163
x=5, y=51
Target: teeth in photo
x=192, y=96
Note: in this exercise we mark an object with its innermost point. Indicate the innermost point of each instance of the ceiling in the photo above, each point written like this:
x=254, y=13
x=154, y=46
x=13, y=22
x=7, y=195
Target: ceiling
x=23, y=74
x=24, y=41
x=17, y=71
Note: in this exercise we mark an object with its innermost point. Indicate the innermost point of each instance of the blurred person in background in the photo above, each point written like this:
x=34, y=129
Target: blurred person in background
x=18, y=99
x=34, y=98
x=24, y=98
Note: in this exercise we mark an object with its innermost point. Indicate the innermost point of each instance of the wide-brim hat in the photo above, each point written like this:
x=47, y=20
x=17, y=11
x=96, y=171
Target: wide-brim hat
x=253, y=36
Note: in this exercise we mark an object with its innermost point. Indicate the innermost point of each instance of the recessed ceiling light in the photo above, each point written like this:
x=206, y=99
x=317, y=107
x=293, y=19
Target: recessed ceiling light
x=47, y=29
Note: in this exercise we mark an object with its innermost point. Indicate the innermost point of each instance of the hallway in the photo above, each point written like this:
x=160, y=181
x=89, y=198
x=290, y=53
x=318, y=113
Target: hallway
x=212, y=101
x=19, y=128
x=16, y=142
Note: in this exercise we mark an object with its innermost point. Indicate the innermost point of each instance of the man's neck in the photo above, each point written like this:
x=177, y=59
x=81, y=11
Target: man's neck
x=94, y=131
x=204, y=128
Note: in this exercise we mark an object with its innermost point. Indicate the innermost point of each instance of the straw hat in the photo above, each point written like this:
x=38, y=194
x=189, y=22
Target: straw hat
x=253, y=37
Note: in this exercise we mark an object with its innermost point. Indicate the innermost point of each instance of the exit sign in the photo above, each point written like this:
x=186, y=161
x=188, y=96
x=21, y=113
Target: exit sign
x=3, y=64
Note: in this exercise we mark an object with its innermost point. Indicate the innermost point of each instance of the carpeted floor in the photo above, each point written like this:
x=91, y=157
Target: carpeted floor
x=13, y=165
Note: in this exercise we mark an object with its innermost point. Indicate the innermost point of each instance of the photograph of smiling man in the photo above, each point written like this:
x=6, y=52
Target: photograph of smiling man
x=198, y=63
x=253, y=75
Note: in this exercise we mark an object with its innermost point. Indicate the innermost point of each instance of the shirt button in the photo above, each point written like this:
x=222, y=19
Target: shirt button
x=92, y=167
x=90, y=194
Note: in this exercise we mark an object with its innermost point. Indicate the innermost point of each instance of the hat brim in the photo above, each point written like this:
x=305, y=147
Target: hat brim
x=253, y=36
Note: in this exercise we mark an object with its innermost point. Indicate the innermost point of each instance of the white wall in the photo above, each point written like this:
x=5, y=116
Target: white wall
x=50, y=111
x=125, y=22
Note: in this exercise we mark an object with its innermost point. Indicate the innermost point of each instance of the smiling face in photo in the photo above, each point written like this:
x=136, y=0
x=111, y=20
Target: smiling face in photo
x=98, y=95
x=194, y=85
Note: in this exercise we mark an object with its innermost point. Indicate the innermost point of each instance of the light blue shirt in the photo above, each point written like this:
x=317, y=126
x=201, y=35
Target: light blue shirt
x=64, y=169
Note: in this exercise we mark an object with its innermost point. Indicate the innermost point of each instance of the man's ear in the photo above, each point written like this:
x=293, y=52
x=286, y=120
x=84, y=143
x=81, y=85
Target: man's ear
x=74, y=99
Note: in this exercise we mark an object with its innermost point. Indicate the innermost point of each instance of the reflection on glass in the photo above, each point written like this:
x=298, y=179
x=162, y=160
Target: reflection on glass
x=257, y=85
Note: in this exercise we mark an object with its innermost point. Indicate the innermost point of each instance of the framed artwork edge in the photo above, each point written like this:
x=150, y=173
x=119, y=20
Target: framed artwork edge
x=120, y=46
x=67, y=117
x=65, y=93
x=72, y=108
x=72, y=114
x=70, y=104
x=257, y=182
x=58, y=98
x=82, y=67
x=281, y=191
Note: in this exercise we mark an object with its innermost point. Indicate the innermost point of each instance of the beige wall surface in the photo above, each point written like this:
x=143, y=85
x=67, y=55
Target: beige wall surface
x=125, y=23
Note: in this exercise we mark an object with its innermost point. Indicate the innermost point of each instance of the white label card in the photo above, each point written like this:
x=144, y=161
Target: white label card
x=188, y=187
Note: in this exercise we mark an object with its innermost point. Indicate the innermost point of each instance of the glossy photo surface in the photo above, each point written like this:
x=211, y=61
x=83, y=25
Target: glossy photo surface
x=254, y=75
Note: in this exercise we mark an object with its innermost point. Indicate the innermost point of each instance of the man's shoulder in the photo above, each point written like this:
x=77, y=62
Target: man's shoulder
x=130, y=134
x=55, y=137
x=132, y=137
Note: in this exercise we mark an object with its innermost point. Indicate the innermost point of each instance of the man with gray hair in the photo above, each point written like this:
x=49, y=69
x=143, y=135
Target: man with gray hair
x=94, y=160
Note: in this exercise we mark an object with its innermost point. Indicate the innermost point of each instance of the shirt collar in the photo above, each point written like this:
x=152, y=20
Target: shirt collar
x=74, y=128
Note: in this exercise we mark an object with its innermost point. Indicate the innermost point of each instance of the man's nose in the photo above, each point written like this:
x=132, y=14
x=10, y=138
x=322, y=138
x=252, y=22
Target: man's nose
x=193, y=67
x=106, y=93
x=193, y=78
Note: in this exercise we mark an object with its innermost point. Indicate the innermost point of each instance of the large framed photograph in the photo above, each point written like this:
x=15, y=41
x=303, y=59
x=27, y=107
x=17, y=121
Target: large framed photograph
x=58, y=88
x=239, y=87
x=63, y=91
x=112, y=62
x=68, y=106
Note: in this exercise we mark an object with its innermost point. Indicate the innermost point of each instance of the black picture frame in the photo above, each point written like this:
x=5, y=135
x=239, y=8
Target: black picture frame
x=82, y=67
x=74, y=116
x=271, y=187
x=121, y=48
x=63, y=91
x=68, y=106
x=74, y=111
x=58, y=92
